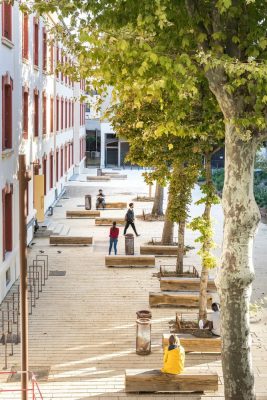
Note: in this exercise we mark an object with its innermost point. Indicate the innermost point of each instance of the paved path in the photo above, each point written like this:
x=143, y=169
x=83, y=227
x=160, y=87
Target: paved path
x=83, y=328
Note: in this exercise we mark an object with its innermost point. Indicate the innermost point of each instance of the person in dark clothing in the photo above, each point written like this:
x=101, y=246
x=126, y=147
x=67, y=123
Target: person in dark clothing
x=100, y=200
x=129, y=219
x=113, y=238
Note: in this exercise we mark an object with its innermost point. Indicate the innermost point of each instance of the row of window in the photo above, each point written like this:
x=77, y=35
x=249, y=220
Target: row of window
x=64, y=117
x=60, y=57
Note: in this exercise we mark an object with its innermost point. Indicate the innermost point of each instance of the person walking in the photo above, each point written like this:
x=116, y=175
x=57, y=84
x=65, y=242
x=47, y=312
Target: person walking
x=129, y=219
x=113, y=238
x=100, y=200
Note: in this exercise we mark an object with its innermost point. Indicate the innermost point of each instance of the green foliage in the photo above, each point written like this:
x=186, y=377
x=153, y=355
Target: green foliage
x=218, y=179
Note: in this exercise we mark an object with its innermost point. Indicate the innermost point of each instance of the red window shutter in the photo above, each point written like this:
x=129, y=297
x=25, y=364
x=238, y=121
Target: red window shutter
x=4, y=222
x=52, y=58
x=51, y=170
x=25, y=102
x=66, y=158
x=57, y=164
x=62, y=63
x=44, y=114
x=44, y=173
x=57, y=115
x=25, y=37
x=69, y=113
x=62, y=114
x=66, y=114
x=44, y=50
x=8, y=222
x=57, y=72
x=7, y=20
x=51, y=115
x=36, y=113
x=7, y=104
x=61, y=162
x=36, y=42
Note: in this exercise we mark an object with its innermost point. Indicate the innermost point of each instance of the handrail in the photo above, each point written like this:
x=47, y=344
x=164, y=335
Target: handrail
x=30, y=390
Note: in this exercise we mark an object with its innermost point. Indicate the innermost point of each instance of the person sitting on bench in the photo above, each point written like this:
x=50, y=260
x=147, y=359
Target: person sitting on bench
x=174, y=356
x=100, y=200
x=213, y=323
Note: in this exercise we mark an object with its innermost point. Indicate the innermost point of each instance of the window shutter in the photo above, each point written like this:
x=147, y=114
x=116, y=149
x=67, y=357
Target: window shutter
x=36, y=42
x=25, y=102
x=44, y=49
x=25, y=37
x=7, y=20
x=44, y=114
x=51, y=115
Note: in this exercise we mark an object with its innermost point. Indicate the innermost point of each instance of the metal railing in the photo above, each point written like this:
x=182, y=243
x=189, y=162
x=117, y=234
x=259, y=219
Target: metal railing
x=34, y=390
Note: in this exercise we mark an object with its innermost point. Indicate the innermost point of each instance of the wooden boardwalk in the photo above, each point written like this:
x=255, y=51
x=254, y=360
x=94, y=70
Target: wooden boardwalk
x=83, y=328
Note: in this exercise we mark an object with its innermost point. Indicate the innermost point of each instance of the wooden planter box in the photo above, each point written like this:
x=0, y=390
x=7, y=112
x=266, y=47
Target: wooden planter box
x=130, y=261
x=71, y=240
x=82, y=214
x=109, y=221
x=178, y=299
x=98, y=178
x=184, y=284
x=116, y=205
x=194, y=344
x=159, y=250
x=169, y=271
x=144, y=198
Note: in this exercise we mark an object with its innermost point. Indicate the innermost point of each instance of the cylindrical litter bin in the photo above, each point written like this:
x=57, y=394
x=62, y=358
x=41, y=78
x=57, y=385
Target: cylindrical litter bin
x=88, y=202
x=144, y=314
x=129, y=244
x=143, y=336
x=99, y=172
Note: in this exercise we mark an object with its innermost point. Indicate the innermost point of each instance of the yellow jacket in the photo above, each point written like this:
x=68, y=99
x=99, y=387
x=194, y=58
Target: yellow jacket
x=173, y=362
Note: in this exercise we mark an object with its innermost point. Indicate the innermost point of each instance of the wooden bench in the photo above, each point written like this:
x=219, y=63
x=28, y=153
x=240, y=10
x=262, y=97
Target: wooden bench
x=178, y=299
x=117, y=176
x=159, y=250
x=116, y=205
x=98, y=178
x=185, y=284
x=130, y=261
x=82, y=214
x=109, y=221
x=191, y=380
x=195, y=344
x=67, y=240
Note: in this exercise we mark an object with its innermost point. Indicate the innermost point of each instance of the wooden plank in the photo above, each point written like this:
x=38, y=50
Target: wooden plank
x=116, y=205
x=118, y=176
x=195, y=344
x=98, y=178
x=159, y=250
x=130, y=261
x=184, y=284
x=77, y=240
x=191, y=380
x=109, y=221
x=82, y=214
x=179, y=299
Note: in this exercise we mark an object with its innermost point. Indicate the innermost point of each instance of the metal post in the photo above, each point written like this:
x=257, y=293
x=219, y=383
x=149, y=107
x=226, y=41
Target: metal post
x=23, y=178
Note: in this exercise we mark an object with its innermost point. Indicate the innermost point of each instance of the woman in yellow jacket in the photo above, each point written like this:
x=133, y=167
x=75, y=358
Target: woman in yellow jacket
x=174, y=356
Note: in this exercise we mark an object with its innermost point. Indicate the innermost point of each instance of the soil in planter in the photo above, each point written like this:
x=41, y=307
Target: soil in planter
x=144, y=198
x=150, y=217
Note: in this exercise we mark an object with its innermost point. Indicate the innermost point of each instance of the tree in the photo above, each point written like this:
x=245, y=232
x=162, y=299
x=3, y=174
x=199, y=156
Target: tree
x=167, y=232
x=164, y=46
x=157, y=208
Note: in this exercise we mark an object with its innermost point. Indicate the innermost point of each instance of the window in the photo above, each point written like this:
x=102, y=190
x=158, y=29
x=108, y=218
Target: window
x=52, y=58
x=7, y=20
x=25, y=36
x=44, y=114
x=7, y=87
x=25, y=105
x=51, y=115
x=36, y=42
x=8, y=276
x=57, y=164
x=61, y=161
x=57, y=115
x=66, y=158
x=57, y=72
x=51, y=170
x=44, y=50
x=36, y=112
x=7, y=219
x=45, y=172
x=66, y=114
x=62, y=114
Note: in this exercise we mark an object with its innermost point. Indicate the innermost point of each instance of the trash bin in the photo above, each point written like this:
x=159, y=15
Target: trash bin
x=143, y=336
x=99, y=172
x=88, y=202
x=144, y=314
x=129, y=244
x=50, y=211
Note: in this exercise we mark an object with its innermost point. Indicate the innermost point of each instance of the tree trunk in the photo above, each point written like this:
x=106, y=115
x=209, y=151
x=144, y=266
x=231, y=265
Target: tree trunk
x=167, y=233
x=241, y=218
x=204, y=277
x=158, y=201
x=180, y=252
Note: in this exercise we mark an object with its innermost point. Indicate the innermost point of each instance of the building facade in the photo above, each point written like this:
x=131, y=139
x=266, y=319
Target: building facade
x=41, y=116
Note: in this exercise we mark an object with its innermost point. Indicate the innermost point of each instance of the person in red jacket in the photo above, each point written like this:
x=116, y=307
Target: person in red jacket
x=113, y=238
